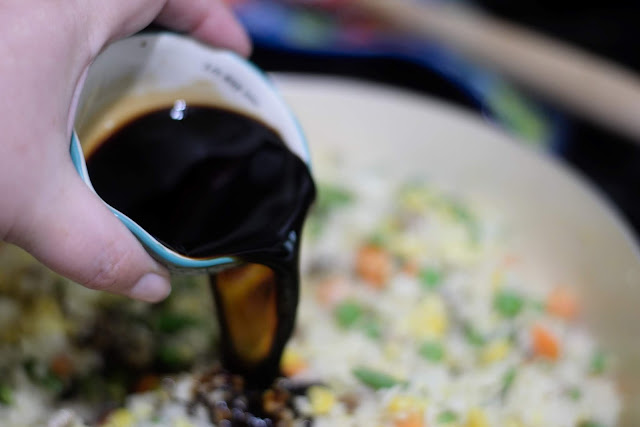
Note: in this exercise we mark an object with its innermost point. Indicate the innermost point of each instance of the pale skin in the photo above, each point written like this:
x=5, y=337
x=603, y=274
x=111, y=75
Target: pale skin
x=46, y=47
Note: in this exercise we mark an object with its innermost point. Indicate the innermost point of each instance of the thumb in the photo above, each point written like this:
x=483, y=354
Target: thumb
x=70, y=230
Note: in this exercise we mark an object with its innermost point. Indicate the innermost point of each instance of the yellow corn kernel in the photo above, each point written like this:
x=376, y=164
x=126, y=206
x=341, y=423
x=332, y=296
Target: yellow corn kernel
x=477, y=418
x=415, y=200
x=497, y=278
x=429, y=319
x=322, y=400
x=408, y=246
x=392, y=351
x=513, y=422
x=183, y=422
x=496, y=351
x=292, y=362
x=45, y=317
x=120, y=418
x=406, y=404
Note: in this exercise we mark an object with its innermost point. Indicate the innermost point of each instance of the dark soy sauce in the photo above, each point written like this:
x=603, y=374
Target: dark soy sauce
x=211, y=182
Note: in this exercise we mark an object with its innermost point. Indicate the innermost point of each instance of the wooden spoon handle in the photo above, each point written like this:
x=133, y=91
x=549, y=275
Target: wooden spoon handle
x=584, y=84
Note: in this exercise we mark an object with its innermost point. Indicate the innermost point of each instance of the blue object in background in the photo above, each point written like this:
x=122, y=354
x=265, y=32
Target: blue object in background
x=303, y=32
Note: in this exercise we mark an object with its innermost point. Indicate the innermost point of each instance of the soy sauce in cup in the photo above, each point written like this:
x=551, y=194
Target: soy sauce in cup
x=207, y=181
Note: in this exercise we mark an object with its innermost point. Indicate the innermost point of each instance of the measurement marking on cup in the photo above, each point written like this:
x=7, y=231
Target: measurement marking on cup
x=232, y=82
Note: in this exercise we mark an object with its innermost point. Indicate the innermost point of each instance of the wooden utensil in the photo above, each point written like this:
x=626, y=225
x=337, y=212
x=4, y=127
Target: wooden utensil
x=584, y=84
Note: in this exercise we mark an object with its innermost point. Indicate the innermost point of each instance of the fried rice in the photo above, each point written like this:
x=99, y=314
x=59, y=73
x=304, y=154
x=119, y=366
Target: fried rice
x=414, y=312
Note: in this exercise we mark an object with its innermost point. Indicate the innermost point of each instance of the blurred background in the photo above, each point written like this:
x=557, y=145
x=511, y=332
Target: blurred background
x=329, y=37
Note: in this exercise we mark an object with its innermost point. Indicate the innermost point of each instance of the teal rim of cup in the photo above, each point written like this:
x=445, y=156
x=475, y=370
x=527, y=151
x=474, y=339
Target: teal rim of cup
x=159, y=251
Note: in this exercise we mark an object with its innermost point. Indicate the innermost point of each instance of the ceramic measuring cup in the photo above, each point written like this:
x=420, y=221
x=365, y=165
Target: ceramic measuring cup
x=139, y=73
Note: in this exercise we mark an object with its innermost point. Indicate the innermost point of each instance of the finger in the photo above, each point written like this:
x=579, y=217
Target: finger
x=208, y=20
x=73, y=233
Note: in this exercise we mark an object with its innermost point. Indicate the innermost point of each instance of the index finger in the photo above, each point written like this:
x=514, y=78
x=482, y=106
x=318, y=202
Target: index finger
x=210, y=21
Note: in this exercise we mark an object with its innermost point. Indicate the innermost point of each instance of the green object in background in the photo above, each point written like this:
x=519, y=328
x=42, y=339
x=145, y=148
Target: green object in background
x=519, y=115
x=311, y=30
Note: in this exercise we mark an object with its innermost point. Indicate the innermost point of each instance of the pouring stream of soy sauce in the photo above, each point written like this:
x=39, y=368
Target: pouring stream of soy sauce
x=211, y=182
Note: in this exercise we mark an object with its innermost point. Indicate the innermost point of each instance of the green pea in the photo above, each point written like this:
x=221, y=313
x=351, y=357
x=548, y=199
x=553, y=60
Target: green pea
x=375, y=379
x=174, y=322
x=574, y=393
x=539, y=306
x=447, y=417
x=330, y=197
x=507, y=381
x=51, y=382
x=348, y=313
x=508, y=303
x=462, y=214
x=432, y=351
x=42, y=376
x=379, y=239
x=171, y=357
x=598, y=363
x=473, y=337
x=430, y=278
x=372, y=329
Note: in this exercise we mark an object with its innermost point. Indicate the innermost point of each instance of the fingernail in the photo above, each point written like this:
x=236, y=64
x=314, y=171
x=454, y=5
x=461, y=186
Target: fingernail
x=151, y=287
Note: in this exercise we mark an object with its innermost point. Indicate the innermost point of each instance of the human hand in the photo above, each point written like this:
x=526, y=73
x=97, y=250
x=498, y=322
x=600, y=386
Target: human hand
x=46, y=47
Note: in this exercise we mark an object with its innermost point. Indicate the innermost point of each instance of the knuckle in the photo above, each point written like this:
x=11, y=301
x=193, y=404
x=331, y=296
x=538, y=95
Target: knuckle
x=110, y=269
